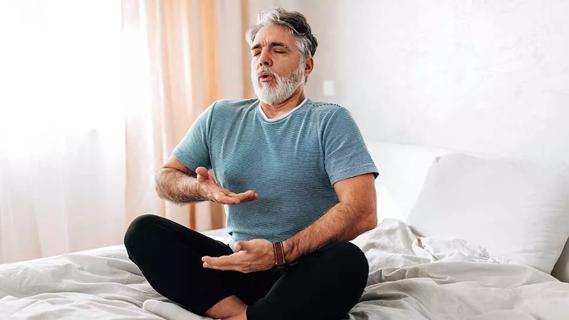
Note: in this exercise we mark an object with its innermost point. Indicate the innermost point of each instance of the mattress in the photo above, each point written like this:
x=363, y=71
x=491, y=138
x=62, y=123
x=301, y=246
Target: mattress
x=410, y=277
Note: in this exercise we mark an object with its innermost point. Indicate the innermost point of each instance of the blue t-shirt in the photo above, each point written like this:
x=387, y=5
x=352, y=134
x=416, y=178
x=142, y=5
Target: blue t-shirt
x=292, y=163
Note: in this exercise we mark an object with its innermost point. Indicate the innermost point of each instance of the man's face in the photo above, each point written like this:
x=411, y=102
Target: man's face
x=277, y=66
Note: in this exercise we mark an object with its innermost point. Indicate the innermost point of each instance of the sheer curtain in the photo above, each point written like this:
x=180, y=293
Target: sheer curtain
x=94, y=96
x=172, y=64
x=61, y=127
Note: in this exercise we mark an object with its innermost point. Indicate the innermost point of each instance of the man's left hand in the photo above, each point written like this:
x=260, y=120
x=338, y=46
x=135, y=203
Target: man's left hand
x=250, y=256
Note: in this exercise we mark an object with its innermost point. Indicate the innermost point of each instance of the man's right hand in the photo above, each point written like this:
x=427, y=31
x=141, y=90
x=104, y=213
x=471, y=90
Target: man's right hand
x=211, y=190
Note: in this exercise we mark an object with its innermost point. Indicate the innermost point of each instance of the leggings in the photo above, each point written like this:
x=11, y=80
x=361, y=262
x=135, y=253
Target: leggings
x=324, y=284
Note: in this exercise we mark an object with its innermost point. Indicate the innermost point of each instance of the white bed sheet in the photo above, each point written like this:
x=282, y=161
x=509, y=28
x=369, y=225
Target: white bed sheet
x=410, y=278
x=94, y=284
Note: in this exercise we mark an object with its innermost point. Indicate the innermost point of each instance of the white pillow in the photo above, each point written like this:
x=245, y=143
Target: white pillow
x=402, y=170
x=518, y=209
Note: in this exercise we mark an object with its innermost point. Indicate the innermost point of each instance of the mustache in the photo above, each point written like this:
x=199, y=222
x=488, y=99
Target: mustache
x=265, y=71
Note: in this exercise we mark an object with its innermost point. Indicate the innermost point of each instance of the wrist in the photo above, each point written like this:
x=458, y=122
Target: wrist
x=198, y=189
x=288, y=248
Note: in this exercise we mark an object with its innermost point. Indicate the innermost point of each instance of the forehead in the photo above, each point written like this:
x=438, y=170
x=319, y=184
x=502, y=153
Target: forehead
x=274, y=33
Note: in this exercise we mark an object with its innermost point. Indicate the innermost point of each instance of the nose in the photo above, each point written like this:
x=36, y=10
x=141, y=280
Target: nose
x=265, y=59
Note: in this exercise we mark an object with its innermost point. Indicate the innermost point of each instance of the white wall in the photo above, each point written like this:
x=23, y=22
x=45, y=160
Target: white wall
x=483, y=76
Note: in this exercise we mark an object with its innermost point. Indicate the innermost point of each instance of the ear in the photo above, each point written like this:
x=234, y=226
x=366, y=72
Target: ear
x=308, y=66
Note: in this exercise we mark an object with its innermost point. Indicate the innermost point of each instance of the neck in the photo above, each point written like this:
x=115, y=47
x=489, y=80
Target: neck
x=275, y=110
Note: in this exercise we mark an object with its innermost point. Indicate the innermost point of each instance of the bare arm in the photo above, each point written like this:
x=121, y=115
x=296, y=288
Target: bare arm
x=177, y=186
x=177, y=183
x=354, y=214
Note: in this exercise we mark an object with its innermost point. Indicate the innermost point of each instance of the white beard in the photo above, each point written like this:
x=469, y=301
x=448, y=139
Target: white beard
x=285, y=85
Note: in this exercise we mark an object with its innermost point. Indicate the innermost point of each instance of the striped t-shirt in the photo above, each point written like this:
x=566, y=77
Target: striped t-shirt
x=291, y=162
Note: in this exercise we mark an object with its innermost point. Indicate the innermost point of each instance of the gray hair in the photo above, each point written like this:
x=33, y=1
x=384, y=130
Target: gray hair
x=295, y=22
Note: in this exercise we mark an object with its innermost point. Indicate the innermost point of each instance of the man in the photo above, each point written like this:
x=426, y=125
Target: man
x=297, y=182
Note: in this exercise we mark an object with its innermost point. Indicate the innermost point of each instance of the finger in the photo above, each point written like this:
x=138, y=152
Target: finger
x=225, y=196
x=210, y=262
x=225, y=199
x=249, y=195
x=210, y=266
x=242, y=245
x=222, y=261
x=223, y=268
x=202, y=174
x=211, y=175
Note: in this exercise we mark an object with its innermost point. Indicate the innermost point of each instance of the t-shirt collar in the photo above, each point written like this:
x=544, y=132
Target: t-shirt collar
x=282, y=115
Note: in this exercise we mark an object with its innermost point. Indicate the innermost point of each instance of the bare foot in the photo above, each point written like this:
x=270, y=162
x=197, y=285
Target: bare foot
x=240, y=316
x=229, y=308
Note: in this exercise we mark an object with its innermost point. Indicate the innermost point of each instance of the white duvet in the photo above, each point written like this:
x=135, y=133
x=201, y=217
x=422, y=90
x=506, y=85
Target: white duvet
x=410, y=278
x=429, y=278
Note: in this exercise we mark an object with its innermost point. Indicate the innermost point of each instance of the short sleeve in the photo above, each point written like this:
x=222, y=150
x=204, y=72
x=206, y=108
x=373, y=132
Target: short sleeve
x=345, y=152
x=193, y=149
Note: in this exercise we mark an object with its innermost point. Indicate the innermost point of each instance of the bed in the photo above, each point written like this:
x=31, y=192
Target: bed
x=421, y=265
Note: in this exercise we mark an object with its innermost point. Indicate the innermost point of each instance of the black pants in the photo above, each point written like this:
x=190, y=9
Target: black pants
x=325, y=284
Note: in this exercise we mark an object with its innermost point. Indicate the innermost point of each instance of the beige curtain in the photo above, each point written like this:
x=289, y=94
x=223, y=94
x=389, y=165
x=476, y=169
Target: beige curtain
x=171, y=58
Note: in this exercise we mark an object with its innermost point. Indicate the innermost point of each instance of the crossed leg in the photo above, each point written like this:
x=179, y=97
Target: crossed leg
x=325, y=284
